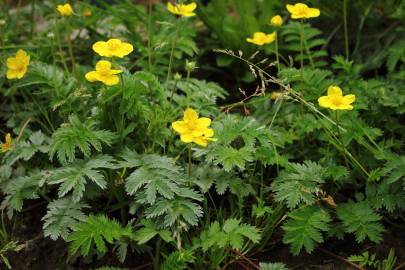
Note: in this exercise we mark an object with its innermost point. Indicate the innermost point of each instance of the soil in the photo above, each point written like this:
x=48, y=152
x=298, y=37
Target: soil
x=45, y=254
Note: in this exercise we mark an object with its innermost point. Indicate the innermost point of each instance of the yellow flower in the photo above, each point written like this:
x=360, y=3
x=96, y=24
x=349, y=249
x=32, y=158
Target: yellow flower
x=65, y=10
x=302, y=11
x=17, y=66
x=276, y=21
x=335, y=99
x=87, y=12
x=104, y=73
x=182, y=9
x=194, y=129
x=260, y=38
x=7, y=143
x=113, y=47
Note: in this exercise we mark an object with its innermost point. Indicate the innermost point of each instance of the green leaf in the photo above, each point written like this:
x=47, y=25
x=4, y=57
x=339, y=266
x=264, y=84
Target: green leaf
x=232, y=234
x=304, y=228
x=95, y=231
x=62, y=217
x=149, y=231
x=75, y=176
x=78, y=135
x=272, y=266
x=359, y=218
x=299, y=183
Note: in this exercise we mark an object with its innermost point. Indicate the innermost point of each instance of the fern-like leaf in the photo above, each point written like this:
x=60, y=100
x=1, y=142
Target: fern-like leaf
x=78, y=135
x=232, y=234
x=304, y=228
x=95, y=232
x=359, y=218
x=61, y=218
x=178, y=260
x=299, y=183
x=75, y=176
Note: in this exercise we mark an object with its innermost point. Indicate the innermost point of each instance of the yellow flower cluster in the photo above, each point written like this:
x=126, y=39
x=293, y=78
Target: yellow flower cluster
x=7, y=143
x=17, y=66
x=183, y=10
x=193, y=129
x=335, y=99
x=103, y=72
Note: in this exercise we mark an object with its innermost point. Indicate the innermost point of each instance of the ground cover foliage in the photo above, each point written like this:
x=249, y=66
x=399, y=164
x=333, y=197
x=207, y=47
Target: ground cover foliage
x=198, y=133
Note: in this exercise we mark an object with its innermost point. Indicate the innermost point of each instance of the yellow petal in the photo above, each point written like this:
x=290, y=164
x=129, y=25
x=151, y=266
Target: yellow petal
x=171, y=8
x=334, y=90
x=324, y=102
x=103, y=65
x=290, y=8
x=100, y=47
x=187, y=14
x=126, y=48
x=91, y=76
x=110, y=80
x=190, y=115
x=12, y=63
x=8, y=138
x=197, y=133
x=348, y=99
x=187, y=138
x=313, y=12
x=201, y=141
x=190, y=7
x=209, y=132
x=203, y=122
x=180, y=126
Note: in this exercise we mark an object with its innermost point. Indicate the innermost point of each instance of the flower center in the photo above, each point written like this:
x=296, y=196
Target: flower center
x=113, y=46
x=336, y=100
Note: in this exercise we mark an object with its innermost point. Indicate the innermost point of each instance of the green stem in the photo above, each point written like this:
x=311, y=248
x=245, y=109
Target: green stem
x=150, y=36
x=188, y=88
x=157, y=254
x=33, y=18
x=69, y=43
x=60, y=46
x=340, y=138
x=277, y=56
x=345, y=28
x=302, y=48
x=189, y=160
x=174, y=42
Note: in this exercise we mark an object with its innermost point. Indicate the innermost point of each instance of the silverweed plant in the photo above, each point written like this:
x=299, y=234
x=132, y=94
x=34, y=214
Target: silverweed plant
x=202, y=134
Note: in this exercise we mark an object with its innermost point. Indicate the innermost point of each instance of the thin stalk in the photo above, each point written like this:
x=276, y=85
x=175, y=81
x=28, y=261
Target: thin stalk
x=174, y=42
x=302, y=48
x=157, y=254
x=69, y=43
x=345, y=28
x=277, y=56
x=33, y=18
x=189, y=160
x=340, y=138
x=60, y=46
x=150, y=36
x=188, y=88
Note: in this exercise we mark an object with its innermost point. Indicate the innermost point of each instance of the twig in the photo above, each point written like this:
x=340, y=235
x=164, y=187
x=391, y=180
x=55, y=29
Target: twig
x=340, y=258
x=402, y=265
x=246, y=259
x=142, y=266
x=22, y=130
